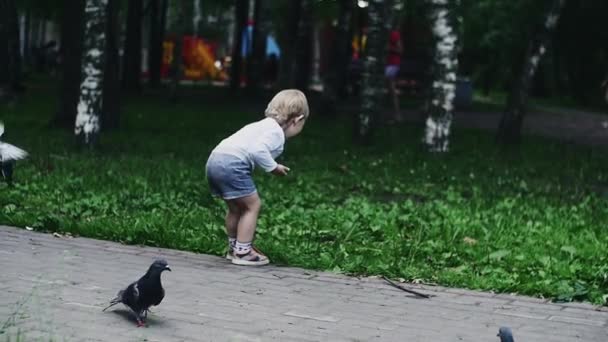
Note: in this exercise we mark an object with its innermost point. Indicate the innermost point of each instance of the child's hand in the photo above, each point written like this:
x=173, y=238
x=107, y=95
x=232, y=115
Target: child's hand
x=280, y=170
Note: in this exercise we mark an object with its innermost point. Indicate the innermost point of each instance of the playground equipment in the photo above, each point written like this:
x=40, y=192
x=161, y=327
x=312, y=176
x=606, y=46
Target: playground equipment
x=198, y=59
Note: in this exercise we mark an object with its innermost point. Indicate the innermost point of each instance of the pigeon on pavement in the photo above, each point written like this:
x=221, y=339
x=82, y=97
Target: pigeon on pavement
x=8, y=155
x=505, y=334
x=145, y=292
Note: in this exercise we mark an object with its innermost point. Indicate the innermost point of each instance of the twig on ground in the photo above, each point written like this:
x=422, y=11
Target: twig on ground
x=406, y=290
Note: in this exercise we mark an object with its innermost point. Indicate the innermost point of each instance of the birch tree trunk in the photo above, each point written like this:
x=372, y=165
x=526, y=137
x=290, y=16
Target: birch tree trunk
x=196, y=17
x=509, y=129
x=89, y=106
x=445, y=66
x=373, y=69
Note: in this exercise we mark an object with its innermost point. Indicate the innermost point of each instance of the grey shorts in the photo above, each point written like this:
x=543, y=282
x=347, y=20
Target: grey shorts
x=229, y=177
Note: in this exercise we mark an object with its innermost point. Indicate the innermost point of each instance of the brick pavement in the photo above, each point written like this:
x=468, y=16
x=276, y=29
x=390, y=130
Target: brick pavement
x=54, y=288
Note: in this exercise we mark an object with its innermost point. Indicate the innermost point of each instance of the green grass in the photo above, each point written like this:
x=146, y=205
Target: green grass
x=532, y=222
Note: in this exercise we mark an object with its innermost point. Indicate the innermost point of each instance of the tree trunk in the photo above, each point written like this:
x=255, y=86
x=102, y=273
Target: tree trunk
x=176, y=70
x=72, y=27
x=196, y=17
x=26, y=37
x=304, y=47
x=509, y=129
x=10, y=57
x=337, y=70
x=260, y=32
x=445, y=67
x=241, y=10
x=164, y=9
x=373, y=69
x=90, y=103
x=110, y=117
x=132, y=49
x=287, y=68
x=155, y=48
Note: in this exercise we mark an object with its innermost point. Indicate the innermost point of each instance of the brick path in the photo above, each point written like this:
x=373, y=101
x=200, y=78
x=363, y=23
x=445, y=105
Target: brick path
x=53, y=288
x=566, y=125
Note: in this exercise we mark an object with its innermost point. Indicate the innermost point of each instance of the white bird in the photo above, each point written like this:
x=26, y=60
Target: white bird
x=8, y=154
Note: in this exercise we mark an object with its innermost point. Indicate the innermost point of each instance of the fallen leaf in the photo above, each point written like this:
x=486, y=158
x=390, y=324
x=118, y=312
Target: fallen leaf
x=469, y=241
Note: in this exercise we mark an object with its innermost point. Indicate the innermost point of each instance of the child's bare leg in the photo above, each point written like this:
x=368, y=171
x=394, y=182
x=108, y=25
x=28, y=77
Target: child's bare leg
x=232, y=218
x=244, y=253
x=249, y=207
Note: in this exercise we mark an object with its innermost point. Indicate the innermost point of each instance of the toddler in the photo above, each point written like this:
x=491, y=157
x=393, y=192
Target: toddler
x=230, y=166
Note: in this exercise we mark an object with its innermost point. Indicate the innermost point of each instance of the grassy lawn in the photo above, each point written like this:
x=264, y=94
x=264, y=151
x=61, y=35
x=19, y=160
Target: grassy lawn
x=532, y=222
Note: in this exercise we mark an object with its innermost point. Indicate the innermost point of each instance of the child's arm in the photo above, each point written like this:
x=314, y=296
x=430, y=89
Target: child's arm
x=261, y=151
x=280, y=170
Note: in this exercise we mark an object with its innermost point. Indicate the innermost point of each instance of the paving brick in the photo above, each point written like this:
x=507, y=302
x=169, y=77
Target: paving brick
x=58, y=286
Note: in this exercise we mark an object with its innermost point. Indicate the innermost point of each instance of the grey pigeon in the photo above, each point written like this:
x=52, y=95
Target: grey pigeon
x=8, y=155
x=505, y=334
x=144, y=293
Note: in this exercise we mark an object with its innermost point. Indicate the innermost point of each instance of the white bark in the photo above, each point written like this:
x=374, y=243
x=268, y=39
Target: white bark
x=89, y=105
x=372, y=80
x=196, y=19
x=437, y=129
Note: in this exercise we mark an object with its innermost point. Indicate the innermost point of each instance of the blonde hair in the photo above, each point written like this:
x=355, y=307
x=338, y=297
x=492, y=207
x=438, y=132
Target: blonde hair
x=286, y=105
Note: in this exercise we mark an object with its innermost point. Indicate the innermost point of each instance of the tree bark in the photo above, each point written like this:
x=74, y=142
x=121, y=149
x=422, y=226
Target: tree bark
x=445, y=67
x=110, y=117
x=26, y=37
x=176, y=70
x=131, y=71
x=335, y=75
x=196, y=17
x=509, y=129
x=10, y=57
x=260, y=32
x=155, y=48
x=72, y=27
x=373, y=69
x=304, y=47
x=287, y=64
x=241, y=10
x=89, y=106
x=164, y=10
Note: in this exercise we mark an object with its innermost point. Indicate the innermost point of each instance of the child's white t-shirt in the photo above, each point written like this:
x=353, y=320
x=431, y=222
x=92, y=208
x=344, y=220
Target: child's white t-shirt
x=257, y=143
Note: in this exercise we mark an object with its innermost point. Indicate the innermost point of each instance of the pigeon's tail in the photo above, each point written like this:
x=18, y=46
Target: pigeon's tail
x=115, y=301
x=10, y=152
